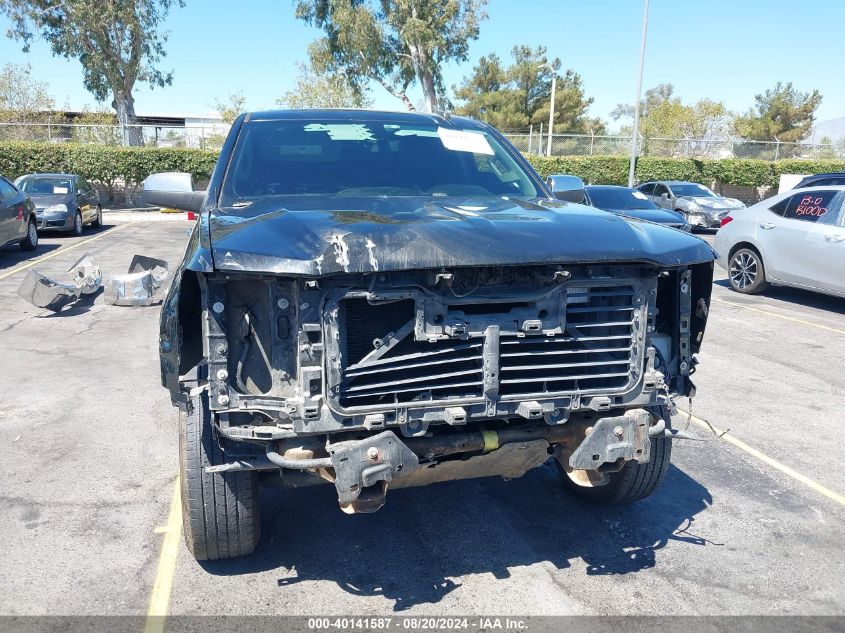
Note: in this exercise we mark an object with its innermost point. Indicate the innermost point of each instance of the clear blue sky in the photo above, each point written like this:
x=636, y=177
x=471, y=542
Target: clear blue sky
x=727, y=50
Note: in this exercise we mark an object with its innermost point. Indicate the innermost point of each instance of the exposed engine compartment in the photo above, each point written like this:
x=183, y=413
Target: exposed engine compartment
x=459, y=363
x=416, y=348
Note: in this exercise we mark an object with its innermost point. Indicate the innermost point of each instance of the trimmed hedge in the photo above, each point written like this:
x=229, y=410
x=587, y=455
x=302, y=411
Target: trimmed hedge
x=613, y=170
x=103, y=164
x=129, y=166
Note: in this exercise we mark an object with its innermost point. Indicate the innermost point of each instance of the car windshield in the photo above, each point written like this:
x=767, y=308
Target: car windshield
x=51, y=186
x=369, y=158
x=692, y=189
x=619, y=199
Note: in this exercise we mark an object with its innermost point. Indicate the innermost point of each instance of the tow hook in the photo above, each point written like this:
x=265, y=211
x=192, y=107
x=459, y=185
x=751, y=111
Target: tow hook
x=660, y=430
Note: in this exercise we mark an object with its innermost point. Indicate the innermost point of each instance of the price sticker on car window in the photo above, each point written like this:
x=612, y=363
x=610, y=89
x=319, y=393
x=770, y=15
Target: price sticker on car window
x=811, y=206
x=61, y=190
x=464, y=141
x=640, y=195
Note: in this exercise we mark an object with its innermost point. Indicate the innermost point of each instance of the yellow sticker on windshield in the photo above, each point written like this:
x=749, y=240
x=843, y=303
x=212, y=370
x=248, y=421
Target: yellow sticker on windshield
x=464, y=141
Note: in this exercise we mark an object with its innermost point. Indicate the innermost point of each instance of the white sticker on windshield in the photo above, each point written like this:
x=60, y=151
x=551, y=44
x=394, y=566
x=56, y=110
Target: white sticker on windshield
x=464, y=141
x=640, y=195
x=60, y=189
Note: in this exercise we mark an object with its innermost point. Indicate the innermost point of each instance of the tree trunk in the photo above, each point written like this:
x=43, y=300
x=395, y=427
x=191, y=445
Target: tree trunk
x=124, y=105
x=424, y=76
x=399, y=94
x=429, y=92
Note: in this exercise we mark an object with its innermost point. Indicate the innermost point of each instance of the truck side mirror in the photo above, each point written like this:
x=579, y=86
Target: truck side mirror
x=174, y=190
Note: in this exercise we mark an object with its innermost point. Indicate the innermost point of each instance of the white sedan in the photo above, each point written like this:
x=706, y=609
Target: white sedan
x=796, y=238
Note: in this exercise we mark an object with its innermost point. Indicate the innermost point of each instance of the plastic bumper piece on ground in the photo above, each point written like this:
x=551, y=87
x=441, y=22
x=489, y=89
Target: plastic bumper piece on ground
x=139, y=286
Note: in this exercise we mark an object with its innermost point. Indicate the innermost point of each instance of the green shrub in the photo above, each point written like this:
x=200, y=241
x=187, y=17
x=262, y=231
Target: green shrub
x=108, y=165
x=103, y=164
x=613, y=170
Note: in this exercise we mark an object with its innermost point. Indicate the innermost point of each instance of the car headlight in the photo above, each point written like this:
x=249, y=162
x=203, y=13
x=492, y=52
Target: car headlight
x=56, y=208
x=693, y=207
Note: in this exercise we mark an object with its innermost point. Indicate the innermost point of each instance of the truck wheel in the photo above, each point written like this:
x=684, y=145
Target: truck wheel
x=219, y=510
x=634, y=482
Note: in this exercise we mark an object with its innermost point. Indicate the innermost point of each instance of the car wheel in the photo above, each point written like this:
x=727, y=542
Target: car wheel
x=30, y=242
x=746, y=273
x=98, y=221
x=220, y=514
x=77, y=224
x=634, y=482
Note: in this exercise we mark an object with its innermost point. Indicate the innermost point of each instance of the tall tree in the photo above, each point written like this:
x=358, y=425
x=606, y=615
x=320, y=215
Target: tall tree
x=392, y=42
x=22, y=98
x=782, y=112
x=512, y=98
x=231, y=106
x=665, y=116
x=118, y=42
x=322, y=90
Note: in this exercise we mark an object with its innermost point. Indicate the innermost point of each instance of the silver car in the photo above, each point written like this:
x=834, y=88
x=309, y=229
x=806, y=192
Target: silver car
x=700, y=207
x=796, y=238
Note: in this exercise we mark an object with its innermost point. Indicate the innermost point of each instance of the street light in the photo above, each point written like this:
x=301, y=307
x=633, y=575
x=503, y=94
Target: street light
x=636, y=130
x=551, y=108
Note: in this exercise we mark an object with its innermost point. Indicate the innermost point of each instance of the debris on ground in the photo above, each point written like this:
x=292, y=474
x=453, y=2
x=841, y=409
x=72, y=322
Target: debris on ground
x=44, y=292
x=140, y=285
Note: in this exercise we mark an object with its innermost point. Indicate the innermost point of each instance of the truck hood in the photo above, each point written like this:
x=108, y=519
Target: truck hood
x=322, y=235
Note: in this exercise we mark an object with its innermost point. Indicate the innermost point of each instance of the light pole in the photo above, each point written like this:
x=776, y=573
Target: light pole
x=636, y=130
x=551, y=108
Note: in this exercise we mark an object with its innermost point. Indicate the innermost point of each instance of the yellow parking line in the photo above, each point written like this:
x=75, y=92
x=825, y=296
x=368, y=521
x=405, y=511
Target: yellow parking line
x=61, y=251
x=781, y=316
x=160, y=597
x=827, y=492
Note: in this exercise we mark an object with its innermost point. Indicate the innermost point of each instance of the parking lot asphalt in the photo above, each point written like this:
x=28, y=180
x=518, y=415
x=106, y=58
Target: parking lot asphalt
x=90, y=464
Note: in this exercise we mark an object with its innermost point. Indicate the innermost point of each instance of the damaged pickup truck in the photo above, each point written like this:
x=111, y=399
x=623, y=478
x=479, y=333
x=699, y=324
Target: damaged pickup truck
x=383, y=300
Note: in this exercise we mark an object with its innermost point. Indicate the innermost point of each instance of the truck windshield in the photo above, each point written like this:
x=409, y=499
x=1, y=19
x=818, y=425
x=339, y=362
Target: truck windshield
x=369, y=158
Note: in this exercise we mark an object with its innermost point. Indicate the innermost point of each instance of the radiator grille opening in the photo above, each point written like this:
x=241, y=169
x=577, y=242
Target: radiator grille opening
x=593, y=353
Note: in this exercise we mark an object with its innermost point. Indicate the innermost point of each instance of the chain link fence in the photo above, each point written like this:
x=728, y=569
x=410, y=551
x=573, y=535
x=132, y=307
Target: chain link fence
x=202, y=137
x=211, y=136
x=603, y=145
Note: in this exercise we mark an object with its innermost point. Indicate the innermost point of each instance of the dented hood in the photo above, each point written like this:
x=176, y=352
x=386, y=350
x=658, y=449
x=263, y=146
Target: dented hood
x=321, y=235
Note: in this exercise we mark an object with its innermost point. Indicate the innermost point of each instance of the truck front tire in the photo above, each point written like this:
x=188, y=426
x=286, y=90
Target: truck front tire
x=634, y=482
x=220, y=514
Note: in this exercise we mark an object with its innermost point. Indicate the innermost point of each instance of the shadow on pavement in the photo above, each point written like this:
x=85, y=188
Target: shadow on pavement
x=806, y=298
x=12, y=255
x=80, y=306
x=413, y=549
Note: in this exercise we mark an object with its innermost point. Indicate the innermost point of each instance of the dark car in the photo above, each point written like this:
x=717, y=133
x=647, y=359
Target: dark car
x=631, y=203
x=834, y=178
x=63, y=202
x=382, y=300
x=17, y=217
